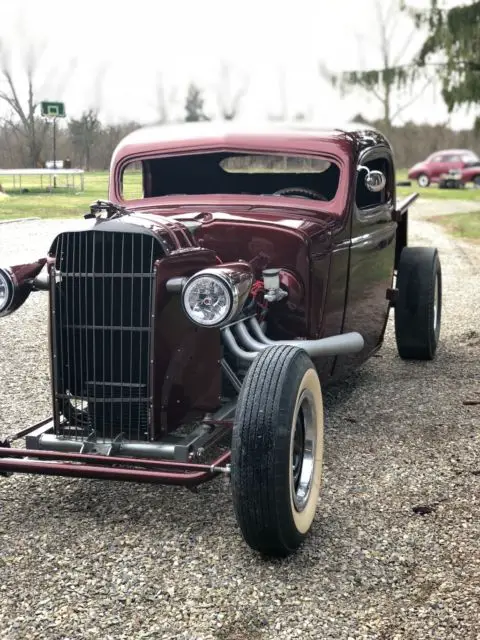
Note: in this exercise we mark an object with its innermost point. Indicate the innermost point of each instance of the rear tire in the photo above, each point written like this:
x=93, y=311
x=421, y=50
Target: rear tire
x=418, y=308
x=277, y=450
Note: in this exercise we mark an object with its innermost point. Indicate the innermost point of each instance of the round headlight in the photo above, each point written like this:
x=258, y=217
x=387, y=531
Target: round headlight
x=6, y=290
x=207, y=300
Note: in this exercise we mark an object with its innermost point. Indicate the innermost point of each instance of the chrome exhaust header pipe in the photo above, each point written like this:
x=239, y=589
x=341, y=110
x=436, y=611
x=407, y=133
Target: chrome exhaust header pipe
x=247, y=341
x=233, y=347
x=342, y=344
x=258, y=331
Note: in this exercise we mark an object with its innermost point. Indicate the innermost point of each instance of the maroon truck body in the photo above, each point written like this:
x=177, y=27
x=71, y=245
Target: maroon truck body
x=142, y=389
x=336, y=266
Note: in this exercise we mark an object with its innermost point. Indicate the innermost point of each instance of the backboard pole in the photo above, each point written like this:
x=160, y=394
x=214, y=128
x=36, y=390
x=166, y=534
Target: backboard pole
x=54, y=151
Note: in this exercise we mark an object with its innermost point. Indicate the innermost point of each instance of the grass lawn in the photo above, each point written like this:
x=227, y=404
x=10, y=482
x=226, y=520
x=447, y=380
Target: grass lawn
x=461, y=225
x=64, y=204
x=38, y=203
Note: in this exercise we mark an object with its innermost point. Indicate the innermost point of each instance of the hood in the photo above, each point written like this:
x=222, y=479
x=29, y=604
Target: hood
x=294, y=220
x=265, y=236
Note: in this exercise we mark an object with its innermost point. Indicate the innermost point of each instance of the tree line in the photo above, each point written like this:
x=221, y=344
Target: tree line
x=89, y=143
x=450, y=55
x=27, y=141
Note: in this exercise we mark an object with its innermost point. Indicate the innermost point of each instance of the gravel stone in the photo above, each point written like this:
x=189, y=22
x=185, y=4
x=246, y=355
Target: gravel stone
x=394, y=549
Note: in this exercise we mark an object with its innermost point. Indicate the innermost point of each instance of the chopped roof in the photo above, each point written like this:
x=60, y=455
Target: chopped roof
x=214, y=129
x=218, y=133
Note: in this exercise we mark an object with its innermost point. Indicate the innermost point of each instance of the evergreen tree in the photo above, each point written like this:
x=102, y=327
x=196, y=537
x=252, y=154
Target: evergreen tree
x=451, y=53
x=454, y=35
x=194, y=105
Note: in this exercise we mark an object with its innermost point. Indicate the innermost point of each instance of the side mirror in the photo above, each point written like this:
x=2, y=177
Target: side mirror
x=375, y=181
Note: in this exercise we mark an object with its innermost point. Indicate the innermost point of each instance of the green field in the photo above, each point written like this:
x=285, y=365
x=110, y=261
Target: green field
x=434, y=193
x=62, y=203
x=41, y=204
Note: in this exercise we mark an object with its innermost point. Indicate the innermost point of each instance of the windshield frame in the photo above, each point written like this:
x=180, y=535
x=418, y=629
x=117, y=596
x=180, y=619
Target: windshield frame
x=336, y=161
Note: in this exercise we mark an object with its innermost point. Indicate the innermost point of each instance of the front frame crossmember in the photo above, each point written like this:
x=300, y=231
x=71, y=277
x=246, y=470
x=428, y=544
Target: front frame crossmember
x=107, y=465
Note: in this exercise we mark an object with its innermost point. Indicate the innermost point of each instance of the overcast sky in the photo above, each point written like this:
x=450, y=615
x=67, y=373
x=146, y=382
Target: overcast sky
x=122, y=48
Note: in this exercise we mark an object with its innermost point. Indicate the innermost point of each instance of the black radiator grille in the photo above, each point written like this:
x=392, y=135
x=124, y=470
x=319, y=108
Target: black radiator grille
x=102, y=305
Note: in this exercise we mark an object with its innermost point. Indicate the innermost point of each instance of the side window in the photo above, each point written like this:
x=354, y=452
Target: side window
x=366, y=199
x=438, y=159
x=450, y=158
x=132, y=181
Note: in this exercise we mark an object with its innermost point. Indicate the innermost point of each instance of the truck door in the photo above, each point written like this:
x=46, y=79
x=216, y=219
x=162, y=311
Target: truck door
x=371, y=260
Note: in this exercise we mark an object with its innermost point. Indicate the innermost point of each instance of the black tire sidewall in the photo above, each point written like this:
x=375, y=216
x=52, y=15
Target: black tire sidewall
x=418, y=273
x=261, y=441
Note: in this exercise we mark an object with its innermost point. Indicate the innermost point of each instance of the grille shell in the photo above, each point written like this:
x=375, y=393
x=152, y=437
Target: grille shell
x=102, y=309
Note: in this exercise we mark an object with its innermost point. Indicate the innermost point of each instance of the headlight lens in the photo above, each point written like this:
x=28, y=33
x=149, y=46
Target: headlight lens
x=207, y=300
x=6, y=290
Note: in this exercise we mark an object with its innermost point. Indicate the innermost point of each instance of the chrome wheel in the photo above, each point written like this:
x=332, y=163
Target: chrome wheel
x=435, y=304
x=423, y=180
x=302, y=449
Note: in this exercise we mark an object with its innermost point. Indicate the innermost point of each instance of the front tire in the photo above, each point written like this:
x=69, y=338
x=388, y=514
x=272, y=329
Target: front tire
x=423, y=180
x=277, y=450
x=418, y=308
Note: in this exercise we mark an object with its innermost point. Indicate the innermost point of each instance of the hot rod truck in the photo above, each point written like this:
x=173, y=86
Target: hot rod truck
x=230, y=275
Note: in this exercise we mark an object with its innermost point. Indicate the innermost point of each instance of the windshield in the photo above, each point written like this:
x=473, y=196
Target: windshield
x=232, y=173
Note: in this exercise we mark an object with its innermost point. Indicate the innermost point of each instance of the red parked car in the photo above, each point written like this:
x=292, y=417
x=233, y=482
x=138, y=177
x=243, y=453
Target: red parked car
x=195, y=319
x=442, y=162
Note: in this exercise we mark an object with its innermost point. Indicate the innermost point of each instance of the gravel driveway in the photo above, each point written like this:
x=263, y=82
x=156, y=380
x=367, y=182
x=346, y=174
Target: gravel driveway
x=394, y=552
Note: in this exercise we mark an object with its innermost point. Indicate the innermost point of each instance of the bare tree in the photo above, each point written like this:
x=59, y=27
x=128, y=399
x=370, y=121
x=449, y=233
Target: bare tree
x=96, y=95
x=28, y=126
x=166, y=97
x=394, y=76
x=21, y=92
x=84, y=131
x=283, y=112
x=228, y=97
